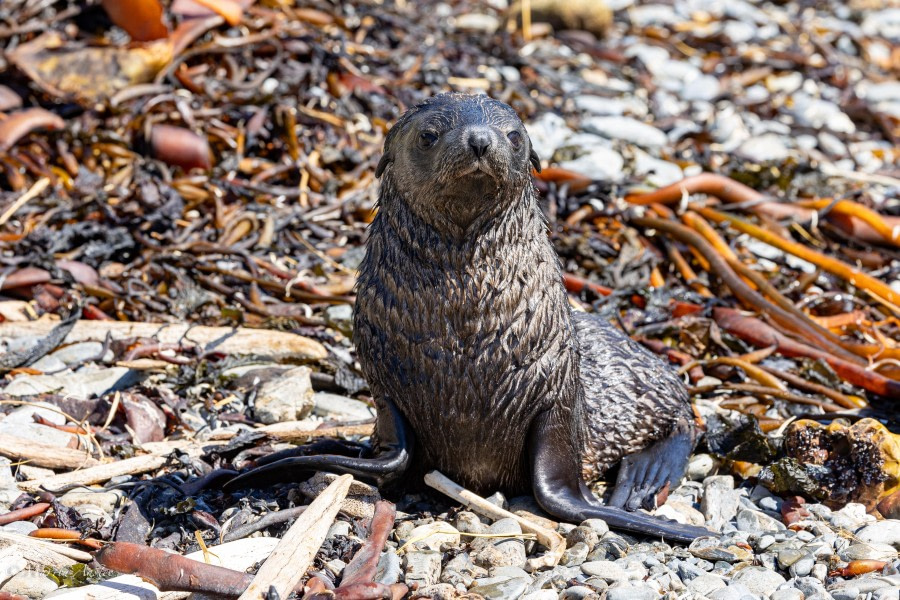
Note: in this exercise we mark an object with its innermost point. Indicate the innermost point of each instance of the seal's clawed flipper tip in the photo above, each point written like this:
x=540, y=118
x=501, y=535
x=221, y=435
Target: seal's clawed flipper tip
x=644, y=474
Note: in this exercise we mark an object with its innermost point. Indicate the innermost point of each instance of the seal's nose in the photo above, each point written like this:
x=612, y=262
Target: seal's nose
x=479, y=142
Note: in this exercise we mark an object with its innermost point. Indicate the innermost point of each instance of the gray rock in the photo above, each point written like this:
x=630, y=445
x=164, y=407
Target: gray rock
x=720, y=501
x=82, y=384
x=847, y=593
x=477, y=23
x=339, y=528
x=548, y=132
x=422, y=567
x=753, y=521
x=469, y=522
x=804, y=566
x=30, y=583
x=788, y=557
x=340, y=317
x=891, y=593
x=626, y=129
x=432, y=536
x=682, y=512
x=11, y=565
x=584, y=535
x=788, y=594
x=340, y=407
x=631, y=592
x=882, y=532
x=541, y=595
x=701, y=466
x=20, y=527
x=819, y=113
x=460, y=570
x=105, y=501
x=500, y=552
x=598, y=105
x=500, y=587
x=599, y=526
x=687, y=571
x=438, y=591
x=48, y=364
x=575, y=555
x=758, y=580
x=39, y=433
x=706, y=584
x=80, y=352
x=286, y=397
x=388, y=570
x=597, y=162
x=578, y=592
x=869, y=551
x=768, y=148
x=606, y=570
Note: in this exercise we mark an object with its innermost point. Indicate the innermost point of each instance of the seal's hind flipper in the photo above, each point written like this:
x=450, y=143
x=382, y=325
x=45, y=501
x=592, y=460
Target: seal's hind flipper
x=644, y=474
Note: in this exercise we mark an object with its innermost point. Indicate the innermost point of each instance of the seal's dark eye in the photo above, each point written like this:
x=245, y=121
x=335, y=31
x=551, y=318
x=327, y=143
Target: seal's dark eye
x=515, y=138
x=427, y=139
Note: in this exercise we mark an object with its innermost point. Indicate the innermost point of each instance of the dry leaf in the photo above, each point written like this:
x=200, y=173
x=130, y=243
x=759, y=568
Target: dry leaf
x=141, y=19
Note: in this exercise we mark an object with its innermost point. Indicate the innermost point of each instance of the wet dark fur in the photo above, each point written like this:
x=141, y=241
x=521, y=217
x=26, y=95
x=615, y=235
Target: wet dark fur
x=463, y=322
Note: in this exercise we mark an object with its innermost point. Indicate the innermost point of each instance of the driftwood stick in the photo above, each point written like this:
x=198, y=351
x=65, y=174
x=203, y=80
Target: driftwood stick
x=44, y=455
x=296, y=432
x=97, y=474
x=287, y=565
x=554, y=542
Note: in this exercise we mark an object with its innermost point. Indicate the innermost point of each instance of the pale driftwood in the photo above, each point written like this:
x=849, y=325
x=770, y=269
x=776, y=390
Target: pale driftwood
x=40, y=553
x=551, y=540
x=98, y=474
x=129, y=466
x=297, y=432
x=287, y=565
x=274, y=345
x=238, y=555
x=44, y=455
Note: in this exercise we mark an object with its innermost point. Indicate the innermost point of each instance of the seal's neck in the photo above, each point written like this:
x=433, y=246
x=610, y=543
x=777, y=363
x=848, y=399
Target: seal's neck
x=512, y=222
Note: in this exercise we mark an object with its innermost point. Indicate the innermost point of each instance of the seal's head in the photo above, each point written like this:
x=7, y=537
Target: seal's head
x=457, y=158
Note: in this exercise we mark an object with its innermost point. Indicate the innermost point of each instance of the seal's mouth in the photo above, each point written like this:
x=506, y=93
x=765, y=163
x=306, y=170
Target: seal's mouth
x=478, y=167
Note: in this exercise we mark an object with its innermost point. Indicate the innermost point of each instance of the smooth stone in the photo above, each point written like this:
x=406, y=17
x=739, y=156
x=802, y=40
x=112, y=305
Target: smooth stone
x=340, y=317
x=681, y=512
x=84, y=383
x=598, y=526
x=768, y=148
x=606, y=570
x=818, y=113
x=626, y=129
x=788, y=594
x=477, y=23
x=75, y=354
x=700, y=466
x=582, y=534
x=598, y=162
x=759, y=580
x=326, y=404
x=29, y=583
x=788, y=557
x=869, y=551
x=433, y=535
x=40, y=433
x=882, y=532
x=631, y=592
x=599, y=105
x=756, y=522
x=388, y=570
x=575, y=555
x=804, y=566
x=541, y=595
x=422, y=567
x=469, y=522
x=25, y=414
x=105, y=501
x=720, y=501
x=48, y=364
x=498, y=588
x=500, y=552
x=578, y=592
x=11, y=565
x=892, y=593
x=286, y=397
x=337, y=528
x=548, y=132
x=706, y=584
x=20, y=527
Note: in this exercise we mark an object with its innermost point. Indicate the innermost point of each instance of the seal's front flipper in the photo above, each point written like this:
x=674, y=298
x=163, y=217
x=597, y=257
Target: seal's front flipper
x=395, y=443
x=644, y=474
x=557, y=485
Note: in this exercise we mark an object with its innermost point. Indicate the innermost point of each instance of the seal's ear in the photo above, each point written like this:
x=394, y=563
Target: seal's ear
x=535, y=161
x=383, y=163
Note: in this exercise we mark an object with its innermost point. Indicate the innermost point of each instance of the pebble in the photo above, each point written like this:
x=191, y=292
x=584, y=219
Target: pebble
x=597, y=162
x=606, y=570
x=788, y=594
x=87, y=382
x=286, y=397
x=882, y=532
x=869, y=551
x=29, y=583
x=700, y=466
x=759, y=580
x=500, y=587
x=753, y=521
x=422, y=567
x=706, y=584
x=579, y=592
x=631, y=592
x=335, y=406
x=626, y=129
x=80, y=352
x=432, y=536
x=388, y=570
x=500, y=552
x=720, y=500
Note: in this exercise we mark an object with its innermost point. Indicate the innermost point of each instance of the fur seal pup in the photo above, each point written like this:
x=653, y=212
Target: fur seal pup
x=478, y=366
